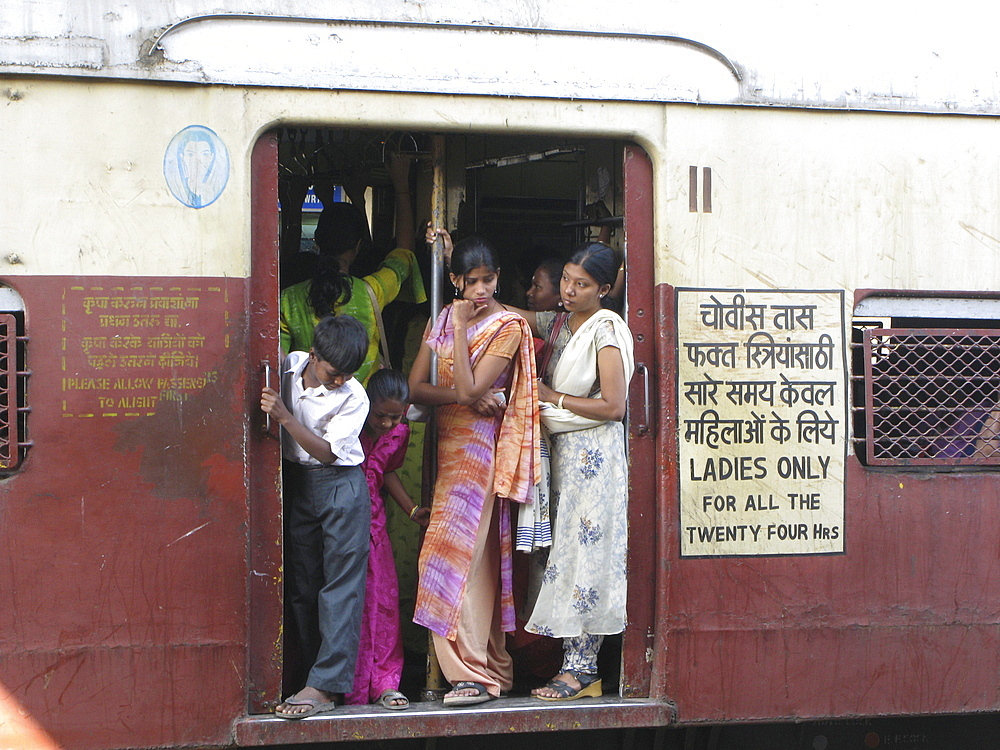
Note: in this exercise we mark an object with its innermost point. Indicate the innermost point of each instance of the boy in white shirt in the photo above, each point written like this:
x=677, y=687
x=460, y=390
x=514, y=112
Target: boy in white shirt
x=322, y=410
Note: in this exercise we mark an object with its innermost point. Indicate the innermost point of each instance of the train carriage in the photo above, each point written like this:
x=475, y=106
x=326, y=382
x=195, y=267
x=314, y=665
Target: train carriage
x=812, y=421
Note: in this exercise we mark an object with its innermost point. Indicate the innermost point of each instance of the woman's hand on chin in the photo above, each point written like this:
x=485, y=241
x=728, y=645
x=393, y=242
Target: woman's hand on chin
x=462, y=311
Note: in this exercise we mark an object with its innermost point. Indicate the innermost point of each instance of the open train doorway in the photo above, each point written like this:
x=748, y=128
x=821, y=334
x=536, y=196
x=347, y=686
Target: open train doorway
x=536, y=198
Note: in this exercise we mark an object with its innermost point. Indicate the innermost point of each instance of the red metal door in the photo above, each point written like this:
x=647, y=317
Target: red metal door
x=264, y=577
x=638, y=639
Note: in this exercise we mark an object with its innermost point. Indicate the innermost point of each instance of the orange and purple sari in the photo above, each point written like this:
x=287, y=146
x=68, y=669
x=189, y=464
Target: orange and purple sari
x=479, y=459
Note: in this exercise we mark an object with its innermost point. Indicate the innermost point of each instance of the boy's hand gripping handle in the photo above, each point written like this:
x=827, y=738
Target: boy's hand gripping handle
x=266, y=367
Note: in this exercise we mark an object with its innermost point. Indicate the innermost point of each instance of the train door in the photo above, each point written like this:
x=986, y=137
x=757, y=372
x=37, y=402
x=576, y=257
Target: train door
x=549, y=203
x=643, y=316
x=264, y=580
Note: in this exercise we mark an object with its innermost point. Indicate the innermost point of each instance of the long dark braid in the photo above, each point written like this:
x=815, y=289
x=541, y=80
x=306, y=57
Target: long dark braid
x=339, y=231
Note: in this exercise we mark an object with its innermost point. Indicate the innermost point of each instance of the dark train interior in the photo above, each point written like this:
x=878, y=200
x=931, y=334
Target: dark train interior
x=533, y=197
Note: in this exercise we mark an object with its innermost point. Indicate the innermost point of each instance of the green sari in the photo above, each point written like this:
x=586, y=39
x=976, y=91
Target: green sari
x=398, y=275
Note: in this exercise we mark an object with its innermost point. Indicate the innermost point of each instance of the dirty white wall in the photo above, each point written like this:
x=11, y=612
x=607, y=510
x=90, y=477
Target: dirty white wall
x=812, y=199
x=801, y=199
x=853, y=53
x=91, y=196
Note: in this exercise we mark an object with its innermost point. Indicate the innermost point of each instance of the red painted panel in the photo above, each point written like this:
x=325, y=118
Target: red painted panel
x=124, y=534
x=264, y=583
x=642, y=427
x=906, y=621
x=667, y=540
x=814, y=672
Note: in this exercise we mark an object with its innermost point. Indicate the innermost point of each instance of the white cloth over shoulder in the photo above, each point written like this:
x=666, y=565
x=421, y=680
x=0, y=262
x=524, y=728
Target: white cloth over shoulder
x=534, y=528
x=576, y=370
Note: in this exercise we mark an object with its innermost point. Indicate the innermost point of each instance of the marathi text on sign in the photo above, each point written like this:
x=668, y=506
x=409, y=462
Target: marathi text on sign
x=762, y=416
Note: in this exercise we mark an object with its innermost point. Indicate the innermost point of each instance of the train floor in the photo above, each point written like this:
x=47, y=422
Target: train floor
x=969, y=732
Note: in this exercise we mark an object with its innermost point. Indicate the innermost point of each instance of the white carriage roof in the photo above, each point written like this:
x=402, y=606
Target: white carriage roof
x=850, y=54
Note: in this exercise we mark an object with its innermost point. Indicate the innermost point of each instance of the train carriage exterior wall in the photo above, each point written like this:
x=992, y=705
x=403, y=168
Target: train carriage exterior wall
x=128, y=531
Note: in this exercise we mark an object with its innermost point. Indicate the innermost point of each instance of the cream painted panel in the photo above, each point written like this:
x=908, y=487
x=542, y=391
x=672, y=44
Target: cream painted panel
x=90, y=195
x=848, y=54
x=806, y=200
x=800, y=199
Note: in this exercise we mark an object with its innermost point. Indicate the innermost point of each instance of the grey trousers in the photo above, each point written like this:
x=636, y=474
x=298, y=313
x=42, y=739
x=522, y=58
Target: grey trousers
x=328, y=527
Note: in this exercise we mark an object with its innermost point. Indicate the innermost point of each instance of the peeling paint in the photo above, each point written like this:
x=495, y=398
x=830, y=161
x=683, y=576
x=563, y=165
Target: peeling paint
x=779, y=63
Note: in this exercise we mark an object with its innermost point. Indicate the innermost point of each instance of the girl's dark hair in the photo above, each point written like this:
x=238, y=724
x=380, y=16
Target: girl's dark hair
x=342, y=341
x=341, y=227
x=598, y=260
x=473, y=252
x=388, y=385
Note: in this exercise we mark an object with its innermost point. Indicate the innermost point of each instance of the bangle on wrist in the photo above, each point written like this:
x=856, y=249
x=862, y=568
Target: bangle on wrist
x=562, y=397
x=415, y=509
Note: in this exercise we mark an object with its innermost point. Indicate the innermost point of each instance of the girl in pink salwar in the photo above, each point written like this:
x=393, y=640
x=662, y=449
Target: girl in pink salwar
x=384, y=440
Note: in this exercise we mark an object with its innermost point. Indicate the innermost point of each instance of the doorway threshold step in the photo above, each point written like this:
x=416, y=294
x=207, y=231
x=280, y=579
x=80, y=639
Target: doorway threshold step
x=431, y=719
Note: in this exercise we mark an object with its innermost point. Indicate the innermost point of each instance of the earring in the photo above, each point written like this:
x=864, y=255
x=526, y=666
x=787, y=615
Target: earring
x=457, y=293
x=496, y=292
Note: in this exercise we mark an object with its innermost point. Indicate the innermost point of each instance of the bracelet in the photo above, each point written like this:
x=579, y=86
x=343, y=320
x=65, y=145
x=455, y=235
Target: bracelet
x=415, y=509
x=562, y=397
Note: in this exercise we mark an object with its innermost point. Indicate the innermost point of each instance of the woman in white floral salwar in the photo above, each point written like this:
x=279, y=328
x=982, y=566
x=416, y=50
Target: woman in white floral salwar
x=583, y=394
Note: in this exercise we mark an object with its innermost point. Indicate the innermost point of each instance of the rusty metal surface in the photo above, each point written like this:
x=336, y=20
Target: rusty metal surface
x=906, y=622
x=264, y=564
x=124, y=540
x=931, y=397
x=504, y=716
x=667, y=483
x=642, y=424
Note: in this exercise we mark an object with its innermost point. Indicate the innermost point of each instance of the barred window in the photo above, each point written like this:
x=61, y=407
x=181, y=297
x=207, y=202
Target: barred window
x=926, y=390
x=13, y=383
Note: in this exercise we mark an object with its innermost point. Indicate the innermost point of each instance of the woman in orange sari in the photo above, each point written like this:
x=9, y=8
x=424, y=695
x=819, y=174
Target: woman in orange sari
x=486, y=395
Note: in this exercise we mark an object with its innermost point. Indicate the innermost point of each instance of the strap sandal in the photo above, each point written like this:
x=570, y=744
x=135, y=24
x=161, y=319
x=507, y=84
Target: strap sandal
x=481, y=695
x=590, y=687
x=386, y=700
x=312, y=707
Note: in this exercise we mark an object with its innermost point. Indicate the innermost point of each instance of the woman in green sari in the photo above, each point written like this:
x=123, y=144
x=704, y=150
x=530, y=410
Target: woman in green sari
x=340, y=235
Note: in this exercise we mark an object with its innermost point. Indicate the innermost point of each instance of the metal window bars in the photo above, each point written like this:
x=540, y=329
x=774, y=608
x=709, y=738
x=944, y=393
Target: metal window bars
x=931, y=397
x=12, y=412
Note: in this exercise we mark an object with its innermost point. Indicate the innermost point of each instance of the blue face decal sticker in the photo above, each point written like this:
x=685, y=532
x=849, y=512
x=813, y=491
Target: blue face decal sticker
x=196, y=166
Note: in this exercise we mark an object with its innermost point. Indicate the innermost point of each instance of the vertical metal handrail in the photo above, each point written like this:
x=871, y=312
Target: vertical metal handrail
x=434, y=685
x=439, y=210
x=647, y=417
x=266, y=367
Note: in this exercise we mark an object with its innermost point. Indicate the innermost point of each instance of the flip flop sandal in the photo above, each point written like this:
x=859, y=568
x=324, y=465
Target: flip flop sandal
x=315, y=707
x=481, y=696
x=388, y=696
x=590, y=687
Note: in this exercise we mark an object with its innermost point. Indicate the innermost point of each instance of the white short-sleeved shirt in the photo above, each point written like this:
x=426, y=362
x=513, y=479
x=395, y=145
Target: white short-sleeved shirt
x=335, y=414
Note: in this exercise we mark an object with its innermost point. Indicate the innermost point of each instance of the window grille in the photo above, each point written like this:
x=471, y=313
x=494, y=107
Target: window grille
x=931, y=396
x=13, y=410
